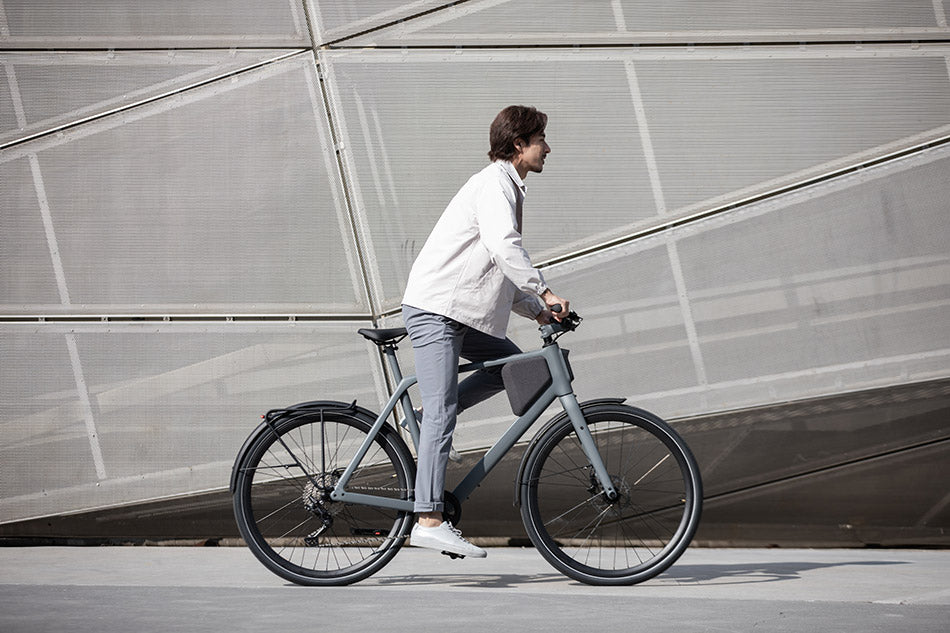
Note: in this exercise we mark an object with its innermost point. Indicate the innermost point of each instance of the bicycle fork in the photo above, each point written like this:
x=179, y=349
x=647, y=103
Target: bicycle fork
x=573, y=410
x=561, y=383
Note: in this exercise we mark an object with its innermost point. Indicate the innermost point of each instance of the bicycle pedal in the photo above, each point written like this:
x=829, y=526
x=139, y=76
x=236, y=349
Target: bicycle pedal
x=452, y=555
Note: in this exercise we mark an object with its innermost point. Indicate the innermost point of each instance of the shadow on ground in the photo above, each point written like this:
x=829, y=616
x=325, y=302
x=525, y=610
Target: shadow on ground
x=712, y=574
x=745, y=573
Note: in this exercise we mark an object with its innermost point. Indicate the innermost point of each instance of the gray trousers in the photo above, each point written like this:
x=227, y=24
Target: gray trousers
x=438, y=342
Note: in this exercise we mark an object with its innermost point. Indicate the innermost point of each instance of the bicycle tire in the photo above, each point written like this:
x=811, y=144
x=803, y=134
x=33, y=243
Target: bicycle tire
x=591, y=539
x=282, y=496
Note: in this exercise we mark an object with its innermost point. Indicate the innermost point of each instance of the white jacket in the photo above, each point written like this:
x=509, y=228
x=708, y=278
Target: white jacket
x=473, y=268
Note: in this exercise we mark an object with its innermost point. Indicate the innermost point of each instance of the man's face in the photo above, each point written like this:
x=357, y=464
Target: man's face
x=531, y=156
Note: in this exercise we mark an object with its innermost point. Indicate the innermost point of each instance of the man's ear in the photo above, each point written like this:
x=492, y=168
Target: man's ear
x=520, y=145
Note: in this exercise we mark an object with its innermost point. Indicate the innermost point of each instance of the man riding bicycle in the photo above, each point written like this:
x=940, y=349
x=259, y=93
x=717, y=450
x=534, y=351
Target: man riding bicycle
x=470, y=274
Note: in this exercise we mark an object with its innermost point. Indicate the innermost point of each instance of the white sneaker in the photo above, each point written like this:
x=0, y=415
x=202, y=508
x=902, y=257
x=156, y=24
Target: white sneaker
x=444, y=538
x=453, y=454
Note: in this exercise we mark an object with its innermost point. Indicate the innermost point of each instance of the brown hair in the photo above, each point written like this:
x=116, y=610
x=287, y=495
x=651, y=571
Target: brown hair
x=512, y=123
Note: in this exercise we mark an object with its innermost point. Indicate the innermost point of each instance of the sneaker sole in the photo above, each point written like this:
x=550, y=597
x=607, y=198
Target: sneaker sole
x=439, y=545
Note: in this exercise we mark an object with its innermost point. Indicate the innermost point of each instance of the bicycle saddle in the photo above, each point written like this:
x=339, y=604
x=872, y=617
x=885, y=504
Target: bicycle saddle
x=382, y=336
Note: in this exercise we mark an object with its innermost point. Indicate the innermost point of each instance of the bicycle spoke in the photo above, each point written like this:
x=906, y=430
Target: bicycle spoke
x=291, y=522
x=630, y=537
x=280, y=509
x=568, y=511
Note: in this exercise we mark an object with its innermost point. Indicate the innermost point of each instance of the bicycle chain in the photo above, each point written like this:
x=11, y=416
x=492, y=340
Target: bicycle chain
x=361, y=541
x=370, y=488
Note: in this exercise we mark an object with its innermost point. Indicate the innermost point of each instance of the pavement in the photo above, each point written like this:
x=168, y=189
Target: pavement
x=197, y=589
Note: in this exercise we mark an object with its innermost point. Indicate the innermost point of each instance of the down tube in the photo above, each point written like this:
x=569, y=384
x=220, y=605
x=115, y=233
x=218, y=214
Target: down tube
x=514, y=433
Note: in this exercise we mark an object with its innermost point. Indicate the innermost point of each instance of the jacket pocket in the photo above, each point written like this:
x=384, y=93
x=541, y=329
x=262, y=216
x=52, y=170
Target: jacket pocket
x=478, y=268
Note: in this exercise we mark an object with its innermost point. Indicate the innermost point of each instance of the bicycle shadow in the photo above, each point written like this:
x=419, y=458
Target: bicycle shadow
x=686, y=574
x=753, y=573
x=486, y=581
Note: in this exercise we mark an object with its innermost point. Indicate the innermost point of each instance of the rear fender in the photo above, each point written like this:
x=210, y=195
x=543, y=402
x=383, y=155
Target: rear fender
x=274, y=416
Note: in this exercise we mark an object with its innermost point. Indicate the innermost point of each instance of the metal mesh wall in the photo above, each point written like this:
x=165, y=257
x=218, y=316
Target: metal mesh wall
x=189, y=204
x=161, y=409
x=566, y=22
x=637, y=137
x=809, y=294
x=201, y=202
x=57, y=89
x=105, y=24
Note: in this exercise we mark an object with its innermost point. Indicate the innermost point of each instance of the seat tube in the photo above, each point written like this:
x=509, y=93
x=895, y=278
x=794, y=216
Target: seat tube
x=573, y=410
x=409, y=423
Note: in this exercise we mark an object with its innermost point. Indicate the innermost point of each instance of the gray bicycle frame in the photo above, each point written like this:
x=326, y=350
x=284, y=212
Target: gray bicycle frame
x=560, y=389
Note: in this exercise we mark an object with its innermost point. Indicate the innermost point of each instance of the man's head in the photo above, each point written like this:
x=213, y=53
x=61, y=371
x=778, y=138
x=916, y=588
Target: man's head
x=517, y=135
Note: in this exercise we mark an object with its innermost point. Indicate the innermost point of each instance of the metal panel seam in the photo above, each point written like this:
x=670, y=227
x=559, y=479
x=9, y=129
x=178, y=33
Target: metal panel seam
x=353, y=194
x=383, y=380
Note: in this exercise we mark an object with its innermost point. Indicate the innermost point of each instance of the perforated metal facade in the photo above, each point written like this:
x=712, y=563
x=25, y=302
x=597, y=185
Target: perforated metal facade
x=202, y=201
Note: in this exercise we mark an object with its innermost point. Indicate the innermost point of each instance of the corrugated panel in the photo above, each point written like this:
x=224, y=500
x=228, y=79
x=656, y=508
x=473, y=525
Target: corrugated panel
x=637, y=137
x=560, y=22
x=840, y=287
x=171, y=23
x=26, y=269
x=335, y=19
x=415, y=131
x=56, y=89
x=8, y=114
x=221, y=195
x=727, y=125
x=222, y=199
x=147, y=411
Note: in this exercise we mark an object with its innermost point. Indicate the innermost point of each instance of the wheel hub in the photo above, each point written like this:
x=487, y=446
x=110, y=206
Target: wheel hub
x=316, y=495
x=600, y=499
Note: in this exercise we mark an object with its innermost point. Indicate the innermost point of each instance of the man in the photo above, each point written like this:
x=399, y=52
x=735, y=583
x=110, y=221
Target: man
x=470, y=274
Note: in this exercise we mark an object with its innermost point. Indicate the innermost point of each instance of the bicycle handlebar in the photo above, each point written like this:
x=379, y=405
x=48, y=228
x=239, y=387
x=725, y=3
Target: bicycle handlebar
x=551, y=331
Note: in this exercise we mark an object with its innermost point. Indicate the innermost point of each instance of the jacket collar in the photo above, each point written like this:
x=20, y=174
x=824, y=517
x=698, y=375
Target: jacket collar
x=509, y=169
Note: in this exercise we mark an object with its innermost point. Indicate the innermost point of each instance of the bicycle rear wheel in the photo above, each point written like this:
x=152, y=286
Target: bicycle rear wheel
x=284, y=511
x=622, y=542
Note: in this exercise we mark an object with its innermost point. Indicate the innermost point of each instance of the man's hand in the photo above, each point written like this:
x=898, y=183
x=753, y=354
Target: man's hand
x=550, y=299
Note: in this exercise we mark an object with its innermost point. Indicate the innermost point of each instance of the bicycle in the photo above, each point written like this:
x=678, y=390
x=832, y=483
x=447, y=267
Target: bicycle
x=609, y=494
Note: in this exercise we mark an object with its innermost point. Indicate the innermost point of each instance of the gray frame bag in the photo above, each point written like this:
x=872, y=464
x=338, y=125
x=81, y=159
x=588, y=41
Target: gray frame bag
x=526, y=379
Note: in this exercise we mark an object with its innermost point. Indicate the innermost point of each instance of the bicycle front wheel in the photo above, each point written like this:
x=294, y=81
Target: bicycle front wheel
x=627, y=540
x=282, y=498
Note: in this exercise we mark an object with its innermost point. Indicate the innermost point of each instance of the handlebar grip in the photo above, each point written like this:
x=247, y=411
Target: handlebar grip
x=556, y=308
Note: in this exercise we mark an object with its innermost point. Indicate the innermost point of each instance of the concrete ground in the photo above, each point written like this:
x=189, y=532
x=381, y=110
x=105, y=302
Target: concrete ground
x=195, y=589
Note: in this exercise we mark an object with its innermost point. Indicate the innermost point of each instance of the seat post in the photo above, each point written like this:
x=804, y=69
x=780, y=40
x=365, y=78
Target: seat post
x=390, y=351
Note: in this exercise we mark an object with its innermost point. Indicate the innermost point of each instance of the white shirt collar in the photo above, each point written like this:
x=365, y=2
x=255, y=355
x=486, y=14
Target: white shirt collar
x=511, y=171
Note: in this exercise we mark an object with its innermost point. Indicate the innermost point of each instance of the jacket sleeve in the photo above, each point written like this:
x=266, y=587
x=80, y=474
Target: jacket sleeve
x=526, y=304
x=495, y=216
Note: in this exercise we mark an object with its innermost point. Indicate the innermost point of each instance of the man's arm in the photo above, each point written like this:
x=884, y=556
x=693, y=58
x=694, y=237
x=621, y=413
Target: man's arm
x=495, y=215
x=527, y=305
